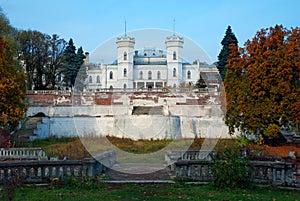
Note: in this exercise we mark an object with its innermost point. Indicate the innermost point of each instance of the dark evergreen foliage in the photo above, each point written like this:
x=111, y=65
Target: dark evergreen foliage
x=70, y=69
x=82, y=74
x=200, y=83
x=73, y=63
x=228, y=39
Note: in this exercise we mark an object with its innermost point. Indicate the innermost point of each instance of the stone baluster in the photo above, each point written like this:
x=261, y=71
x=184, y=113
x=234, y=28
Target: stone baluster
x=43, y=172
x=72, y=170
x=27, y=171
x=57, y=171
x=5, y=174
x=64, y=171
x=35, y=172
x=51, y=172
x=80, y=170
x=89, y=164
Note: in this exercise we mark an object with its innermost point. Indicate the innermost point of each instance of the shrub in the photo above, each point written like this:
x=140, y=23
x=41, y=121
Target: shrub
x=231, y=170
x=83, y=182
x=12, y=183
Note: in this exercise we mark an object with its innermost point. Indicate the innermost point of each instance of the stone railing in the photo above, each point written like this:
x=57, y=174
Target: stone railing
x=69, y=92
x=172, y=156
x=275, y=173
x=107, y=158
x=39, y=171
x=195, y=169
x=23, y=153
x=263, y=172
x=55, y=92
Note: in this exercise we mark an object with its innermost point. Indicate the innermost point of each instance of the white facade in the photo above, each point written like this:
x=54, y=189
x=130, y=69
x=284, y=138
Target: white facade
x=147, y=68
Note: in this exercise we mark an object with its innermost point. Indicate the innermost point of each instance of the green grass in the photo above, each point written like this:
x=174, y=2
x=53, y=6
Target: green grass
x=76, y=148
x=48, y=142
x=152, y=192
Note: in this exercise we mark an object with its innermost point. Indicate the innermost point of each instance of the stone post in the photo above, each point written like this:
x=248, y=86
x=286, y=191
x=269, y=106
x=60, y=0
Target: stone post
x=91, y=167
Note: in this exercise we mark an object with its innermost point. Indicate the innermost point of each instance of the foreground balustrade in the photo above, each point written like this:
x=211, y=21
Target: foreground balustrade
x=263, y=172
x=36, y=171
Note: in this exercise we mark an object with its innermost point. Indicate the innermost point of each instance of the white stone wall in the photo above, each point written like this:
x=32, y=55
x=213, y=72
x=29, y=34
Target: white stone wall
x=153, y=68
x=134, y=127
x=111, y=110
x=71, y=111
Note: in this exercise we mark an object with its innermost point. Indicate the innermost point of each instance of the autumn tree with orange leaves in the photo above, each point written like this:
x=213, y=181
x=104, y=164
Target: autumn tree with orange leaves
x=262, y=83
x=12, y=83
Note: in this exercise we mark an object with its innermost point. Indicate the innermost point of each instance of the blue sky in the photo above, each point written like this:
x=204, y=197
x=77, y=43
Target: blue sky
x=92, y=22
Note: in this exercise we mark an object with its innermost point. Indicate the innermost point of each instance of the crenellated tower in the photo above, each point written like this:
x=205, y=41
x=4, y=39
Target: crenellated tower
x=125, y=47
x=174, y=45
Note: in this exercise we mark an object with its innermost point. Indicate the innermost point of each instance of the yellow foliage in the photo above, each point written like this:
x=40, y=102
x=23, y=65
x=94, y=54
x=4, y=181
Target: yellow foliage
x=12, y=89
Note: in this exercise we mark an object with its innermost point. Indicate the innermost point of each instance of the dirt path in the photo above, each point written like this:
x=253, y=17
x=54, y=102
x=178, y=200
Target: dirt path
x=132, y=171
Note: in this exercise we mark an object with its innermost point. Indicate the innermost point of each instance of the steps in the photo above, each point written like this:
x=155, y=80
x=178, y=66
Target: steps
x=27, y=130
x=147, y=110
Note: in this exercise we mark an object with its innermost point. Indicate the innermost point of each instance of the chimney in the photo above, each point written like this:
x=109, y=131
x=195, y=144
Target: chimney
x=160, y=53
x=86, y=62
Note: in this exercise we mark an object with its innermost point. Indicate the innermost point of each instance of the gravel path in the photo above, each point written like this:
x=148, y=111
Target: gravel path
x=132, y=171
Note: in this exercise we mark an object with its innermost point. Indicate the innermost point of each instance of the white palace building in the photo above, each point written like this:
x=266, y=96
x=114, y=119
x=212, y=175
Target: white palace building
x=148, y=68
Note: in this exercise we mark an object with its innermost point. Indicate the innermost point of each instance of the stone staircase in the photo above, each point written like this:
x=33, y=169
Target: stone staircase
x=292, y=137
x=28, y=129
x=147, y=110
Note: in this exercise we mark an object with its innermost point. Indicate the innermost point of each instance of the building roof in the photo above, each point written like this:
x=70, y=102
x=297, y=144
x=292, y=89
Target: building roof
x=92, y=66
x=151, y=52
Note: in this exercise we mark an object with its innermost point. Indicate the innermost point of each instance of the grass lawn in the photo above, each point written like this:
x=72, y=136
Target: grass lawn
x=75, y=148
x=151, y=192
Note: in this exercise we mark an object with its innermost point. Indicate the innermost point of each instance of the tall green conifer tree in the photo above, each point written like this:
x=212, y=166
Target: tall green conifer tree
x=228, y=39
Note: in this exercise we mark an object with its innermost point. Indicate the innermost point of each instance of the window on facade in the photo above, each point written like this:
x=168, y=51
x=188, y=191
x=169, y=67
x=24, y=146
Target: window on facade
x=125, y=56
x=174, y=55
x=158, y=75
x=98, y=79
x=149, y=75
x=111, y=75
x=124, y=86
x=125, y=72
x=141, y=75
x=174, y=72
x=90, y=79
x=189, y=75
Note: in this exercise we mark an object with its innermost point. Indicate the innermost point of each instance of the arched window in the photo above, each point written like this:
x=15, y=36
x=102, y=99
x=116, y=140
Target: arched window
x=111, y=88
x=174, y=72
x=158, y=75
x=111, y=75
x=98, y=79
x=124, y=86
x=90, y=79
x=141, y=75
x=125, y=72
x=174, y=55
x=189, y=75
x=149, y=75
x=125, y=56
